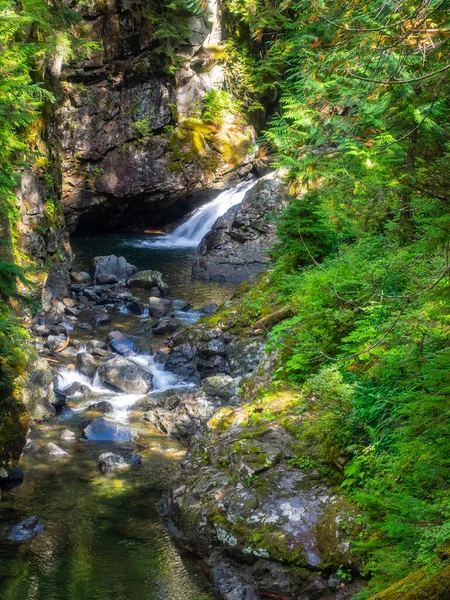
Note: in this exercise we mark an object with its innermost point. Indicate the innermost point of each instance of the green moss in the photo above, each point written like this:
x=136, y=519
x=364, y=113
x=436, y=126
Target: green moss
x=420, y=585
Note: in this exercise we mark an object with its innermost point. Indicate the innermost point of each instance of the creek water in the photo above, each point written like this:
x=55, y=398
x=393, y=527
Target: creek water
x=103, y=537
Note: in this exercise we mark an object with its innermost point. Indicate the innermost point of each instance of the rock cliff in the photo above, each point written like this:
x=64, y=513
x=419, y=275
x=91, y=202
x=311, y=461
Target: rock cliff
x=134, y=144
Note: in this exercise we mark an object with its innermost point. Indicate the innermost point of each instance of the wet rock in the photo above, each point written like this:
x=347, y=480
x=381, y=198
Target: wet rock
x=165, y=327
x=102, y=429
x=120, y=344
x=102, y=406
x=86, y=364
x=221, y=386
x=67, y=435
x=26, y=529
x=101, y=318
x=55, y=450
x=69, y=302
x=78, y=277
x=41, y=330
x=108, y=462
x=210, y=309
x=85, y=326
x=244, y=354
x=91, y=295
x=94, y=345
x=38, y=395
x=147, y=280
x=56, y=343
x=158, y=307
x=126, y=376
x=135, y=460
x=182, y=361
x=71, y=311
x=181, y=305
x=112, y=269
x=237, y=246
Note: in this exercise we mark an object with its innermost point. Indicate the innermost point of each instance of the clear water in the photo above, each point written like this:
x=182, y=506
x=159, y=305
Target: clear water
x=175, y=263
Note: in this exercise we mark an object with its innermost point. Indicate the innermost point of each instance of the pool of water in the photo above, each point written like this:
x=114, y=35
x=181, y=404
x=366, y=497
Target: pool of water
x=175, y=263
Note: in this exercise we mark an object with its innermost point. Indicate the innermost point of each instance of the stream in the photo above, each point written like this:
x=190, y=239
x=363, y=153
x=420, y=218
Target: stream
x=103, y=536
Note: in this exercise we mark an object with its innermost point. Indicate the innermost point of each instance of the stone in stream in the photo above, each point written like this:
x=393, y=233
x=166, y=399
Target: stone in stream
x=77, y=388
x=210, y=309
x=108, y=461
x=26, y=529
x=126, y=376
x=120, y=344
x=56, y=343
x=93, y=345
x=147, y=280
x=181, y=305
x=165, y=326
x=11, y=480
x=86, y=364
x=112, y=269
x=101, y=318
x=55, y=450
x=102, y=406
x=102, y=429
x=67, y=435
x=158, y=307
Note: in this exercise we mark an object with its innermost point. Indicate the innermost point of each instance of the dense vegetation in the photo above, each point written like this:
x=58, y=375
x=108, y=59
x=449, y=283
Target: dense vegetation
x=363, y=132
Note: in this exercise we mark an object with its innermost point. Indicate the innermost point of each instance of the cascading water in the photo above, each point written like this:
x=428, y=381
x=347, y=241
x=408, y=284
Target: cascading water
x=191, y=233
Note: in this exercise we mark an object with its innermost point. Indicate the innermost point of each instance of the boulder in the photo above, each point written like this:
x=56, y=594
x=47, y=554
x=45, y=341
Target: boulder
x=158, y=307
x=86, y=364
x=221, y=386
x=108, y=462
x=26, y=529
x=181, y=305
x=67, y=435
x=112, y=269
x=56, y=343
x=103, y=406
x=147, y=280
x=55, y=450
x=126, y=376
x=165, y=326
x=56, y=286
x=102, y=429
x=101, y=318
x=120, y=344
x=11, y=480
x=38, y=395
x=237, y=246
x=244, y=354
x=182, y=361
x=78, y=277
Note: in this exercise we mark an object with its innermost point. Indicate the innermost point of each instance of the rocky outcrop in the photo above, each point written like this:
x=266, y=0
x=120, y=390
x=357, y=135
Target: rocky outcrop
x=133, y=145
x=237, y=246
x=38, y=394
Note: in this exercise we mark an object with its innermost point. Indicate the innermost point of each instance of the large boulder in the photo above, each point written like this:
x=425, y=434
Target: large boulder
x=237, y=246
x=126, y=376
x=112, y=269
x=147, y=280
x=86, y=364
x=158, y=307
x=38, y=393
x=238, y=494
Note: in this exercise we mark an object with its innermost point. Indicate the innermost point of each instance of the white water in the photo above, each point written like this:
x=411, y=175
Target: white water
x=191, y=233
x=122, y=402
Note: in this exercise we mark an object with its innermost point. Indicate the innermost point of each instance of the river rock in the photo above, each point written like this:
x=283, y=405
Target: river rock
x=103, y=406
x=112, y=269
x=108, y=462
x=56, y=343
x=78, y=277
x=183, y=305
x=94, y=345
x=26, y=529
x=67, y=435
x=126, y=376
x=101, y=318
x=86, y=364
x=147, y=280
x=55, y=450
x=9, y=481
x=165, y=326
x=102, y=429
x=210, y=309
x=158, y=307
x=120, y=344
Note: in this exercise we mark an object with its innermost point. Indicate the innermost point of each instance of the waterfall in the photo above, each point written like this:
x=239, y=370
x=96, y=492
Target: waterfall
x=191, y=233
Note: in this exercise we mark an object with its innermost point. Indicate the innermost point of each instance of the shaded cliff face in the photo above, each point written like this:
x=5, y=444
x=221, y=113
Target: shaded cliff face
x=135, y=150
